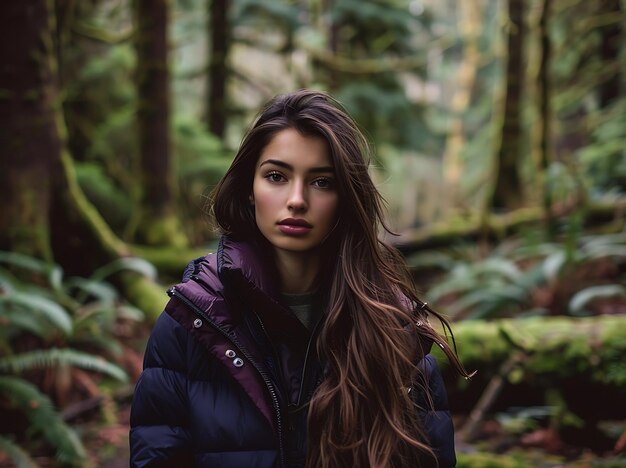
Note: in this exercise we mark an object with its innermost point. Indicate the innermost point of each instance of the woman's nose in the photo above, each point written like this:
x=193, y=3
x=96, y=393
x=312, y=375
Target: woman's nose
x=297, y=197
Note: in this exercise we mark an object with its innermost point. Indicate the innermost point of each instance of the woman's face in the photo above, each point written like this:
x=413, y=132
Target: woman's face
x=294, y=192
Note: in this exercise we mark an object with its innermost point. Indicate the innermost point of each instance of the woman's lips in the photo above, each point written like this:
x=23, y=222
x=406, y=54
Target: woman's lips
x=294, y=227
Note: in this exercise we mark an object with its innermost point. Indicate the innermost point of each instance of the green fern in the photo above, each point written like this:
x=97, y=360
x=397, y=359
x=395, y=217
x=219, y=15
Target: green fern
x=40, y=306
x=52, y=272
x=44, y=420
x=17, y=454
x=136, y=264
x=578, y=302
x=15, y=321
x=52, y=358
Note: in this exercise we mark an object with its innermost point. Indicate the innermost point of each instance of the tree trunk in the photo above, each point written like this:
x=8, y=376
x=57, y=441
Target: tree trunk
x=545, y=112
x=44, y=212
x=28, y=139
x=609, y=51
x=155, y=221
x=508, y=188
x=469, y=23
x=219, y=33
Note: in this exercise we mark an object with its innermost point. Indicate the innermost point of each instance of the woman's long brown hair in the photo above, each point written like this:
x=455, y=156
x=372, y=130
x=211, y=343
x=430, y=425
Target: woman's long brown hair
x=375, y=330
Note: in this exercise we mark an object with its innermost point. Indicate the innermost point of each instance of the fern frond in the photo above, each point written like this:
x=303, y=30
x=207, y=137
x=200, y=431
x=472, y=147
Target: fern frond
x=52, y=271
x=44, y=419
x=41, y=306
x=17, y=454
x=101, y=290
x=15, y=321
x=136, y=264
x=54, y=357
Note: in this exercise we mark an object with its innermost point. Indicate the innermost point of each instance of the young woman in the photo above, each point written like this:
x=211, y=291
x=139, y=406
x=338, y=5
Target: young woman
x=301, y=341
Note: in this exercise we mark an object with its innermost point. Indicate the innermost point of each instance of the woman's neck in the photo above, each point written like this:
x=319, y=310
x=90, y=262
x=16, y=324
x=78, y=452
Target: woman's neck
x=297, y=270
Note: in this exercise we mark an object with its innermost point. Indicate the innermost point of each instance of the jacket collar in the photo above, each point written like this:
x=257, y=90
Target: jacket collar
x=243, y=271
x=246, y=270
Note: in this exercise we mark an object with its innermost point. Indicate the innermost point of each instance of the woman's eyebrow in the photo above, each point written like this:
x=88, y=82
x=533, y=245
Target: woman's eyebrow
x=289, y=167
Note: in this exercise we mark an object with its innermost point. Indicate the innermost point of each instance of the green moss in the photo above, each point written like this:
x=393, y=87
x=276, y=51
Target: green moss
x=144, y=294
x=590, y=347
x=510, y=460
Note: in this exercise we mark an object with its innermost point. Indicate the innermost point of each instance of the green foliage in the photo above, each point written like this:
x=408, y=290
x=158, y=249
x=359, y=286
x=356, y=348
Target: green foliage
x=259, y=12
x=529, y=278
x=71, y=318
x=100, y=189
x=54, y=358
x=17, y=454
x=201, y=162
x=510, y=460
x=44, y=420
x=386, y=114
x=15, y=303
x=603, y=160
x=558, y=347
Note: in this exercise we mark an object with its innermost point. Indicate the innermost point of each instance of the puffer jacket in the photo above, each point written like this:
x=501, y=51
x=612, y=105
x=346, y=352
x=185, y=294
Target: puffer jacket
x=228, y=373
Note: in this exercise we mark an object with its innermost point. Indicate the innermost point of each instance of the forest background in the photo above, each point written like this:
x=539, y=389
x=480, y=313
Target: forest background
x=500, y=135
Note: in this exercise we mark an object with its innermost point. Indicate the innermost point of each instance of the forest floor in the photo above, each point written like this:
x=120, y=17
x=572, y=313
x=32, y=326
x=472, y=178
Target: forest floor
x=107, y=445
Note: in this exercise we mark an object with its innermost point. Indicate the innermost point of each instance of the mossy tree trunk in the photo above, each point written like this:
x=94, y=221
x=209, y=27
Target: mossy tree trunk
x=508, y=192
x=44, y=213
x=155, y=221
x=219, y=34
x=28, y=142
x=545, y=113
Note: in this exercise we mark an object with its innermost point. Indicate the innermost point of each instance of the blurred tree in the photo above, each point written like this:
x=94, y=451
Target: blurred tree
x=611, y=34
x=219, y=45
x=469, y=20
x=508, y=184
x=46, y=214
x=155, y=221
x=31, y=147
x=545, y=114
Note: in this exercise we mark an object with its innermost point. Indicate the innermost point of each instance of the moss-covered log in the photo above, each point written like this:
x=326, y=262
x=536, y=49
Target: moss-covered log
x=170, y=262
x=575, y=367
x=470, y=228
x=555, y=347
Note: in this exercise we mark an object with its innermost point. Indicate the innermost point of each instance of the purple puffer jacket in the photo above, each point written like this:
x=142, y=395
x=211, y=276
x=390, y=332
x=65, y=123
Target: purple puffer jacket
x=228, y=373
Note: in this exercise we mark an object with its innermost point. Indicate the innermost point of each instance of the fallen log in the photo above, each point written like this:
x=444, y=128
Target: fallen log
x=557, y=347
x=497, y=226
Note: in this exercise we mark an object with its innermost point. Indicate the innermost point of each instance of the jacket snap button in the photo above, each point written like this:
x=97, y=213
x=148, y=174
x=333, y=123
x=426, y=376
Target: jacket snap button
x=238, y=362
x=230, y=353
x=197, y=323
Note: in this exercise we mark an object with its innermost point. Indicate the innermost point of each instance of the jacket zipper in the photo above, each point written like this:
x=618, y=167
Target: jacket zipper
x=172, y=292
x=306, y=361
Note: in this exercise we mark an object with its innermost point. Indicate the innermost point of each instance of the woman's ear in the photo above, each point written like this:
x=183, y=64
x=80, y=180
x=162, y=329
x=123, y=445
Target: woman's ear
x=251, y=198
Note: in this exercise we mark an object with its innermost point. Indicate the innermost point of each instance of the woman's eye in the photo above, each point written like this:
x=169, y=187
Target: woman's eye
x=323, y=183
x=274, y=177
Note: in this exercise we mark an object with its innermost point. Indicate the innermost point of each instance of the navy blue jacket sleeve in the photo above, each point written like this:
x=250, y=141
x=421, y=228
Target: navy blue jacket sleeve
x=436, y=419
x=159, y=420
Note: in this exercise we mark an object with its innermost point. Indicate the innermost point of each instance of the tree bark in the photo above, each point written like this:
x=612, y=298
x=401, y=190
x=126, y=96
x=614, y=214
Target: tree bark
x=28, y=139
x=44, y=212
x=508, y=185
x=611, y=36
x=155, y=221
x=469, y=23
x=545, y=112
x=219, y=33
